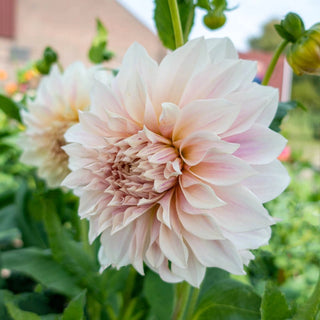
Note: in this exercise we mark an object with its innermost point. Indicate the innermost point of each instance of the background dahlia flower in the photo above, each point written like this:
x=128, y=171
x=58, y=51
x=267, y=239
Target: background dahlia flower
x=59, y=98
x=173, y=162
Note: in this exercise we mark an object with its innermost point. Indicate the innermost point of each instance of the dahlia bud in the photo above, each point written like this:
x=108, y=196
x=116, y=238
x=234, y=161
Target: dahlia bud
x=291, y=27
x=304, y=55
x=214, y=19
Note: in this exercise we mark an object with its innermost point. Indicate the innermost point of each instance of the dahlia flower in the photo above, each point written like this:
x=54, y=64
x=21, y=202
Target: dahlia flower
x=54, y=110
x=173, y=162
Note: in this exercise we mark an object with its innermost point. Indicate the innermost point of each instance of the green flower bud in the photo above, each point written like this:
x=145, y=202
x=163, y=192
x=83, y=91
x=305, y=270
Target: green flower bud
x=49, y=55
x=304, y=55
x=42, y=67
x=214, y=19
x=291, y=27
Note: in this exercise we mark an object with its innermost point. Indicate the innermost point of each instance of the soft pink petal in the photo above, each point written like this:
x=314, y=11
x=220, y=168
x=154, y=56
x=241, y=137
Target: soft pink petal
x=216, y=253
x=216, y=81
x=194, y=273
x=195, y=147
x=242, y=213
x=222, y=169
x=200, y=195
x=258, y=145
x=178, y=65
x=271, y=180
x=214, y=115
x=259, y=104
x=173, y=247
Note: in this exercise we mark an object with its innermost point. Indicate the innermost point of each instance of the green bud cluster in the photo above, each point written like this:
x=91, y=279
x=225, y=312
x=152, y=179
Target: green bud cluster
x=49, y=57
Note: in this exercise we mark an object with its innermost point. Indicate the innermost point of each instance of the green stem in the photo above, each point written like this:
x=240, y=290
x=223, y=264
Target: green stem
x=128, y=292
x=192, y=303
x=274, y=61
x=84, y=228
x=176, y=23
x=181, y=299
x=93, y=308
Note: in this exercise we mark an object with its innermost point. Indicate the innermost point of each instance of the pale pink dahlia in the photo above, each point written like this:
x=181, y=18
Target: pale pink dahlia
x=173, y=162
x=59, y=98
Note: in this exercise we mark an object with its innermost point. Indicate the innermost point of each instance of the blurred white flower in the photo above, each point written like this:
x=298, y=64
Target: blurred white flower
x=173, y=162
x=59, y=98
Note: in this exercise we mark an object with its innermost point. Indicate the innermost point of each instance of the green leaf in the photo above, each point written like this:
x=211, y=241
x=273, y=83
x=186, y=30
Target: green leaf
x=75, y=308
x=98, y=51
x=159, y=295
x=163, y=21
x=283, y=109
x=311, y=308
x=10, y=108
x=204, y=4
x=39, y=265
x=212, y=277
x=274, y=305
x=18, y=314
x=228, y=300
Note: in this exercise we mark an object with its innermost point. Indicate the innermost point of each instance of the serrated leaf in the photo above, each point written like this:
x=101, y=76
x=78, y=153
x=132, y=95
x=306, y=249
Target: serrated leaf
x=39, y=265
x=18, y=314
x=283, y=109
x=74, y=310
x=159, y=295
x=10, y=108
x=162, y=17
x=274, y=304
x=228, y=300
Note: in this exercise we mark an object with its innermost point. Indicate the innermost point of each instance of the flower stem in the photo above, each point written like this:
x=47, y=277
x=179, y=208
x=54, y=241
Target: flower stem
x=176, y=23
x=84, y=237
x=181, y=299
x=192, y=303
x=273, y=62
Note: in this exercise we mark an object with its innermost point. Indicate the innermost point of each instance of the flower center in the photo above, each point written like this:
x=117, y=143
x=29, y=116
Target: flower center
x=140, y=171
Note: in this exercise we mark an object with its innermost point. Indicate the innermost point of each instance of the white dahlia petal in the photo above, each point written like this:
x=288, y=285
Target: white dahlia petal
x=173, y=162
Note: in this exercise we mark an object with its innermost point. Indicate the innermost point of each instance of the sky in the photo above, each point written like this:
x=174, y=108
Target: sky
x=242, y=23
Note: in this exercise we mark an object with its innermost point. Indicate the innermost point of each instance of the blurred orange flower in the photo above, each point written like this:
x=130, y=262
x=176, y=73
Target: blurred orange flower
x=3, y=74
x=10, y=88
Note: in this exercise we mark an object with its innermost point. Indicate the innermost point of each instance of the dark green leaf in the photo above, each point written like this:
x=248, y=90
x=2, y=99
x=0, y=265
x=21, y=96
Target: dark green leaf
x=18, y=314
x=75, y=308
x=159, y=295
x=274, y=305
x=283, y=109
x=228, y=300
x=10, y=108
x=163, y=21
x=39, y=265
x=212, y=277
